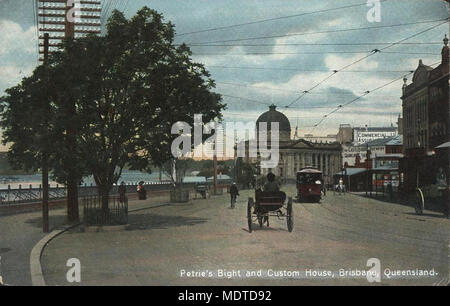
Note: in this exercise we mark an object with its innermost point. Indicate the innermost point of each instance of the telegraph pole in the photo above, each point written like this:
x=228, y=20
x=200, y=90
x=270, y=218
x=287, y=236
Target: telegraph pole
x=72, y=188
x=78, y=17
x=45, y=221
x=215, y=169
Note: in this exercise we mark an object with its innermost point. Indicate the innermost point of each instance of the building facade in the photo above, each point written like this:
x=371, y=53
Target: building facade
x=358, y=135
x=426, y=123
x=366, y=134
x=295, y=154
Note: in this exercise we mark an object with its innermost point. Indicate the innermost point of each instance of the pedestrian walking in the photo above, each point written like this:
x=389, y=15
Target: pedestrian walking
x=234, y=192
x=142, y=193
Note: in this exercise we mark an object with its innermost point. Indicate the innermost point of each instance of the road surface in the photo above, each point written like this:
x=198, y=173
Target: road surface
x=205, y=242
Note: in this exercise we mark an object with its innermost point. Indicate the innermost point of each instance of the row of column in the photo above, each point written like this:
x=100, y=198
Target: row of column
x=290, y=163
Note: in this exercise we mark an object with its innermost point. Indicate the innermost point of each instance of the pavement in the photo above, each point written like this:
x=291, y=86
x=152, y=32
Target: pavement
x=20, y=232
x=18, y=235
x=204, y=242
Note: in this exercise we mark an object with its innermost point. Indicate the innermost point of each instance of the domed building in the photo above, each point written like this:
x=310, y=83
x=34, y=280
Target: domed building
x=272, y=115
x=299, y=153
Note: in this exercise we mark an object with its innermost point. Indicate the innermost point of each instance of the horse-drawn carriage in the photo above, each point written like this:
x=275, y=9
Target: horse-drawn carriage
x=424, y=179
x=268, y=204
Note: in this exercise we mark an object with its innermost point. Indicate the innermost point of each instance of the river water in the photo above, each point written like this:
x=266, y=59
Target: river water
x=128, y=176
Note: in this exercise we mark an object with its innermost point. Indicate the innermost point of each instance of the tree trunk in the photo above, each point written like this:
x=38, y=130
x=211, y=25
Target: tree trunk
x=72, y=201
x=103, y=192
x=72, y=182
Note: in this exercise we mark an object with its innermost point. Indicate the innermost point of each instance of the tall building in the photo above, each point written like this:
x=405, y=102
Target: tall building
x=426, y=123
x=345, y=134
x=365, y=134
x=359, y=135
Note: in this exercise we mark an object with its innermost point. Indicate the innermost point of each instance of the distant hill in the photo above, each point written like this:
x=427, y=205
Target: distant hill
x=5, y=168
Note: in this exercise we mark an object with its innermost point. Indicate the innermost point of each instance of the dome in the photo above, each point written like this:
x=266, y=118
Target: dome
x=272, y=115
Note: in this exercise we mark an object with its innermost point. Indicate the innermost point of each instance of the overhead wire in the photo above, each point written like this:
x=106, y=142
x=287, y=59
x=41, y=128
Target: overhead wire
x=274, y=19
x=341, y=106
x=319, y=32
x=373, y=52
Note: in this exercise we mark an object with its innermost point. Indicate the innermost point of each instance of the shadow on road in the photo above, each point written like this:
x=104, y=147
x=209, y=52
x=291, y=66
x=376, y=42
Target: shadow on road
x=435, y=207
x=54, y=221
x=154, y=221
x=426, y=215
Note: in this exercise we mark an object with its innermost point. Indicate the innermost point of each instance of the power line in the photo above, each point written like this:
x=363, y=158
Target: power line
x=319, y=32
x=275, y=18
x=300, y=69
x=247, y=99
x=267, y=103
x=312, y=52
x=339, y=107
x=297, y=91
x=308, y=44
x=312, y=88
x=126, y=5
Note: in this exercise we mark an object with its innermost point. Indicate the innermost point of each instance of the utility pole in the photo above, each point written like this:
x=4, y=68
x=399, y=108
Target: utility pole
x=59, y=20
x=72, y=186
x=215, y=169
x=45, y=219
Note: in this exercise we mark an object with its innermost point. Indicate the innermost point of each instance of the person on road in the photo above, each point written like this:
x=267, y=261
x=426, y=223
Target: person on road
x=234, y=192
x=271, y=185
x=142, y=193
x=122, y=191
x=341, y=186
x=390, y=190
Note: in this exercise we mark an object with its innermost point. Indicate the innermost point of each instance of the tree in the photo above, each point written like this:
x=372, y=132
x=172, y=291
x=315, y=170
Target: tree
x=137, y=84
x=32, y=123
x=246, y=173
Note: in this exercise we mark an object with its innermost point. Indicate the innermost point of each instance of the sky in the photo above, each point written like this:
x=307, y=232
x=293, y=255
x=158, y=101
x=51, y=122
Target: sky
x=275, y=61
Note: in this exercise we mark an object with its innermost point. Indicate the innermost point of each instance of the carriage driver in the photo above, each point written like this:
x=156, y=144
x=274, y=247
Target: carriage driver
x=272, y=186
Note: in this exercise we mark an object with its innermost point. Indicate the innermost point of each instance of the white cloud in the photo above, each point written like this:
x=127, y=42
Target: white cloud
x=11, y=75
x=15, y=39
x=336, y=62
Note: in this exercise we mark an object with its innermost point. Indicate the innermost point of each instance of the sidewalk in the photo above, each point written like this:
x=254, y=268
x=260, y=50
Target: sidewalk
x=429, y=206
x=22, y=230
x=19, y=234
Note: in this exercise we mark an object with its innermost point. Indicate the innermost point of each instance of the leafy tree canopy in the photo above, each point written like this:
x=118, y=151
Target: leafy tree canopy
x=119, y=95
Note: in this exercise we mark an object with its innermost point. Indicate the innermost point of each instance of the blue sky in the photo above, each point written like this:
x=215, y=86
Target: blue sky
x=293, y=61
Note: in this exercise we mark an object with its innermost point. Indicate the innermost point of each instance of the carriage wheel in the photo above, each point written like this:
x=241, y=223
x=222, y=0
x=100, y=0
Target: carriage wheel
x=249, y=214
x=419, y=204
x=290, y=216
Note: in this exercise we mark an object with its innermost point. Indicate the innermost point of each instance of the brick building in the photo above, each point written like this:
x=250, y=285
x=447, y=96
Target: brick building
x=426, y=123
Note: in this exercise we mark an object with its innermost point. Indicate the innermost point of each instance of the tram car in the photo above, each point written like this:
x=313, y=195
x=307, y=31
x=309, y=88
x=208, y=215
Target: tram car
x=309, y=185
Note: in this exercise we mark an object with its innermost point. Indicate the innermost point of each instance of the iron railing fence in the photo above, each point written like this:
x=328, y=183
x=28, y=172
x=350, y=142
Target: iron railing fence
x=95, y=214
x=33, y=193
